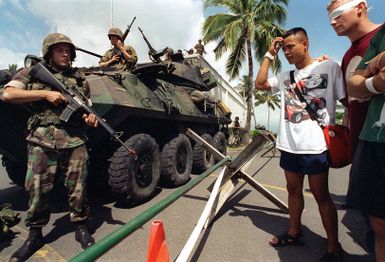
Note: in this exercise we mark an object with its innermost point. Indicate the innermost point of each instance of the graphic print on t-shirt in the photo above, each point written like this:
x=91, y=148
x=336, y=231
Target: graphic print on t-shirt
x=297, y=111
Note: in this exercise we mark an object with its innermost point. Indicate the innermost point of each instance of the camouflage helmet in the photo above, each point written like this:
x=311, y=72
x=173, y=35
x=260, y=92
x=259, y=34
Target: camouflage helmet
x=56, y=38
x=115, y=31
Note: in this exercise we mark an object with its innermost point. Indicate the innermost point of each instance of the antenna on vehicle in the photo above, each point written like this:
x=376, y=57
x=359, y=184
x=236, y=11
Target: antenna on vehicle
x=112, y=13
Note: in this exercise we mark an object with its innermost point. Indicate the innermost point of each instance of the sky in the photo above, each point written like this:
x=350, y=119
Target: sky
x=172, y=23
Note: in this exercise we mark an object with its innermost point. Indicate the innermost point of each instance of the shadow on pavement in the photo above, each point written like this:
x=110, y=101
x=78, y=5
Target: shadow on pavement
x=272, y=222
x=7, y=240
x=58, y=201
x=99, y=215
x=16, y=196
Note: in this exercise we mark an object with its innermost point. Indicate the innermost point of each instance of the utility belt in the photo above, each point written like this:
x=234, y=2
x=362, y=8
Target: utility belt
x=44, y=120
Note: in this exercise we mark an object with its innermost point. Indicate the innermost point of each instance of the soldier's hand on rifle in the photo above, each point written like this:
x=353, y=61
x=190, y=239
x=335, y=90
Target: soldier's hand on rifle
x=90, y=120
x=115, y=58
x=55, y=97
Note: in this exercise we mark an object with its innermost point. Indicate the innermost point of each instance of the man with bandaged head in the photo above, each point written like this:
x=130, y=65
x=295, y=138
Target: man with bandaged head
x=350, y=18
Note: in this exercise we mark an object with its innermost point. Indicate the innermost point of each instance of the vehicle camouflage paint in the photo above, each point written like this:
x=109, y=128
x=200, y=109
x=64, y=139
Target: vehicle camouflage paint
x=151, y=106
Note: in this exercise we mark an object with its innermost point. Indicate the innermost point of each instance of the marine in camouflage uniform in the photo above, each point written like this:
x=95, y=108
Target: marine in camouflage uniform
x=53, y=146
x=120, y=57
x=200, y=48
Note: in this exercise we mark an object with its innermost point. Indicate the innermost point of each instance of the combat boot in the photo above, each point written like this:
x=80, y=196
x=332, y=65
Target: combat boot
x=32, y=244
x=83, y=236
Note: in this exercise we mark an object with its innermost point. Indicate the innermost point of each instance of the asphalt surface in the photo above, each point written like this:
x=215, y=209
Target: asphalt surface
x=240, y=233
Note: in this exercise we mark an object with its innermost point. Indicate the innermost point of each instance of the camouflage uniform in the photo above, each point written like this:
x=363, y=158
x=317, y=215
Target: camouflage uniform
x=122, y=63
x=52, y=146
x=200, y=49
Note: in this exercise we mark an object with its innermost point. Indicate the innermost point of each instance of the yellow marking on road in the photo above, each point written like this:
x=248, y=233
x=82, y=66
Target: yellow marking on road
x=284, y=189
x=42, y=253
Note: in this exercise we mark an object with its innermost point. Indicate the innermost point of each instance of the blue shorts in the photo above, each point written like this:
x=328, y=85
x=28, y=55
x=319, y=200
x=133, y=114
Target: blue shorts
x=310, y=164
x=367, y=179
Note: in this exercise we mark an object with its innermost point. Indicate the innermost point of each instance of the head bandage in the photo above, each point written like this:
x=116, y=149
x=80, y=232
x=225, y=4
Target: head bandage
x=343, y=8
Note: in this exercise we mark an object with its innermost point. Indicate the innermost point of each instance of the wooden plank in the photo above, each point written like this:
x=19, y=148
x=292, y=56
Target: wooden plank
x=207, y=146
x=266, y=193
x=188, y=247
x=271, y=147
x=249, y=152
x=226, y=191
x=232, y=174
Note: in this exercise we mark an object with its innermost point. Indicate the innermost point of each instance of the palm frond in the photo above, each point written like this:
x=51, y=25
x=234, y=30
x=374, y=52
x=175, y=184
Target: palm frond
x=220, y=49
x=214, y=26
x=237, y=57
x=229, y=4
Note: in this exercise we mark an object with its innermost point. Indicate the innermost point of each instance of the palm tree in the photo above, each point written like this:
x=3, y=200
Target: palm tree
x=249, y=23
x=12, y=68
x=244, y=85
x=272, y=101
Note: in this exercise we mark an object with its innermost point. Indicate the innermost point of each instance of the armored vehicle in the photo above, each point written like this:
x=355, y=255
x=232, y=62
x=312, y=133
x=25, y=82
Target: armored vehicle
x=151, y=106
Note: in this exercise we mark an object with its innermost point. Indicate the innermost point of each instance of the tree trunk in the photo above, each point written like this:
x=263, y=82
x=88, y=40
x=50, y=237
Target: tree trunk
x=249, y=93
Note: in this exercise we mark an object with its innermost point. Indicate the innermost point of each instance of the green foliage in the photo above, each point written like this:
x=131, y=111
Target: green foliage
x=263, y=97
x=272, y=101
x=12, y=68
x=248, y=27
x=245, y=83
x=247, y=22
x=339, y=116
x=254, y=133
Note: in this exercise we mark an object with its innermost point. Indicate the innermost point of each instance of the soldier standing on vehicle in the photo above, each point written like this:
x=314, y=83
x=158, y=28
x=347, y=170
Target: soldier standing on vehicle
x=200, y=48
x=53, y=144
x=120, y=57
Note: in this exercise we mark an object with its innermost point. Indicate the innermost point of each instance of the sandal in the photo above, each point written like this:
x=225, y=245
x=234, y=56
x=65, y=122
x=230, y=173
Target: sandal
x=287, y=240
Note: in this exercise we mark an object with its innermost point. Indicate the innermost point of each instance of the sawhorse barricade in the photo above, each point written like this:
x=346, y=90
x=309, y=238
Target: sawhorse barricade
x=225, y=184
x=223, y=188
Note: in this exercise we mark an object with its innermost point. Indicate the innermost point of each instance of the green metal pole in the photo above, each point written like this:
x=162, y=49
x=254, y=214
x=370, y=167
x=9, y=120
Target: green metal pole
x=102, y=246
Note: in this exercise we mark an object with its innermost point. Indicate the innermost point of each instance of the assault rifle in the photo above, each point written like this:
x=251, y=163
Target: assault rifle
x=127, y=30
x=116, y=51
x=75, y=102
x=153, y=54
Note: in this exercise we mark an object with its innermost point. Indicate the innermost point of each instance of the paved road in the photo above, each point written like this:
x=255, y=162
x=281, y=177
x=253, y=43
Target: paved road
x=246, y=223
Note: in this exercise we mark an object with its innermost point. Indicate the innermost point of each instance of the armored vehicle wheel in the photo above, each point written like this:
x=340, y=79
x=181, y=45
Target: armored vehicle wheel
x=221, y=144
x=16, y=171
x=202, y=159
x=135, y=180
x=176, y=161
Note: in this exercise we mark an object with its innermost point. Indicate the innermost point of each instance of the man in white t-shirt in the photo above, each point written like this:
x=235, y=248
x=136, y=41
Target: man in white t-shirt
x=300, y=137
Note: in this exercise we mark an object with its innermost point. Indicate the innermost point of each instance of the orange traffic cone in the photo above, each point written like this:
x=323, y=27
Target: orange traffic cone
x=157, y=246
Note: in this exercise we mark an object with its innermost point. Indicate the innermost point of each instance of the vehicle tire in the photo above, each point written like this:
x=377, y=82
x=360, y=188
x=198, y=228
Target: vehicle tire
x=202, y=159
x=135, y=180
x=221, y=144
x=16, y=170
x=176, y=161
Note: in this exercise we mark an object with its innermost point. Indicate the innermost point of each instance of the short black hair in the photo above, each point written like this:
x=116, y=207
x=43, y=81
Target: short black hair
x=295, y=31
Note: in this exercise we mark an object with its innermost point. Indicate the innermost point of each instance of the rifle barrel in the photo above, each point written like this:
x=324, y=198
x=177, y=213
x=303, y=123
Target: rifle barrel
x=88, y=52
